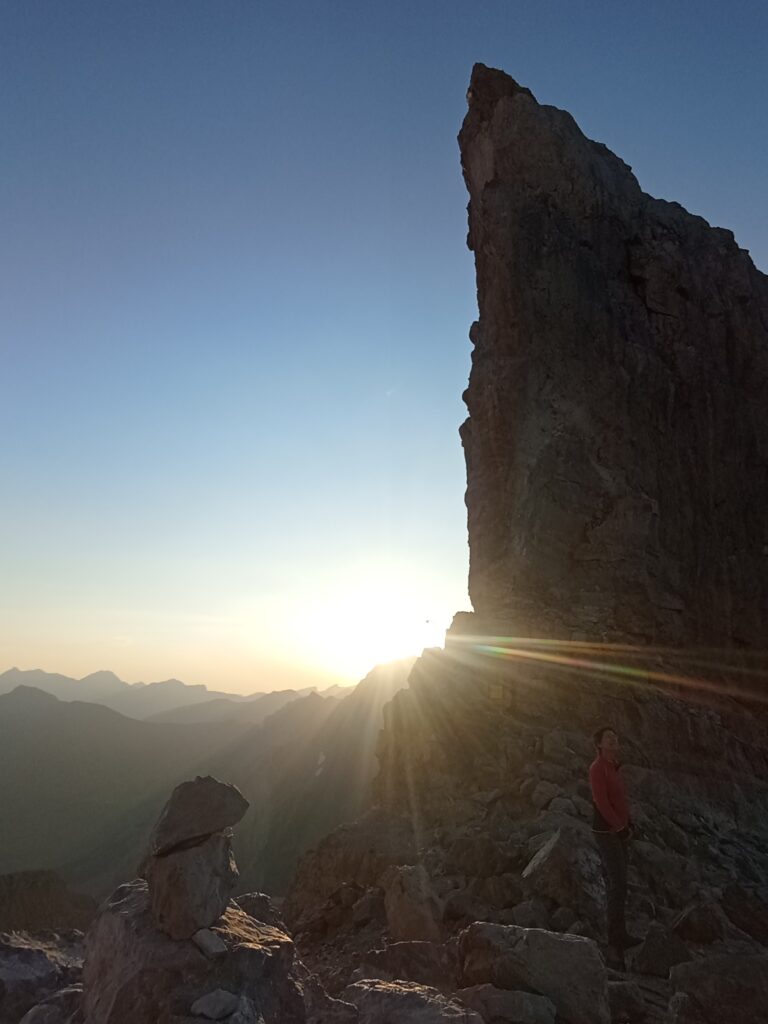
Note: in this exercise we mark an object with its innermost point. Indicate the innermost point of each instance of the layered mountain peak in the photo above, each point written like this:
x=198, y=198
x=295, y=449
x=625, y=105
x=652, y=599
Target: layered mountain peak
x=616, y=444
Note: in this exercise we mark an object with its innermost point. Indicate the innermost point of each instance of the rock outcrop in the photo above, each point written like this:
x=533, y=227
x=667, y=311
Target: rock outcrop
x=617, y=472
x=173, y=948
x=136, y=972
x=190, y=866
x=616, y=444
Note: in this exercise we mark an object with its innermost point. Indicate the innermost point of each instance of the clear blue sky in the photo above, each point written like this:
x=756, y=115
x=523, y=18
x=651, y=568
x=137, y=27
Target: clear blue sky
x=235, y=299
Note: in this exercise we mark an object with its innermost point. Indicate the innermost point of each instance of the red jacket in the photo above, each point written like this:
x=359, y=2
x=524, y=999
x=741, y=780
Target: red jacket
x=609, y=796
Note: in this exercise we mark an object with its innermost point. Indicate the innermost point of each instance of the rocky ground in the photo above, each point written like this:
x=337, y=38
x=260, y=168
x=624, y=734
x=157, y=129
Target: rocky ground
x=478, y=867
x=482, y=903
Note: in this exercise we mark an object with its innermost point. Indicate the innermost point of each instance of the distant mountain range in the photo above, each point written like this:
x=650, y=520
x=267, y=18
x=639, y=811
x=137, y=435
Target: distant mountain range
x=81, y=783
x=168, y=701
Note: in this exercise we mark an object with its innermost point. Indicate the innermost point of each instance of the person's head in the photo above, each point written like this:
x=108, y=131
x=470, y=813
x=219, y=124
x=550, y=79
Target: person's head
x=606, y=741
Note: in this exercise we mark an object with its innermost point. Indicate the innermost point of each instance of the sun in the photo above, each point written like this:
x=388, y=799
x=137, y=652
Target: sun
x=369, y=621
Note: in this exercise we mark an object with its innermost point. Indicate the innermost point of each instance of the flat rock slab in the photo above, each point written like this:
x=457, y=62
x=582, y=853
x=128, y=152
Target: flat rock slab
x=500, y=1004
x=196, y=809
x=403, y=1002
x=215, y=1005
x=425, y=962
x=209, y=943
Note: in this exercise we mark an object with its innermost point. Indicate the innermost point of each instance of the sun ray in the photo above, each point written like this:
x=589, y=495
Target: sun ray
x=590, y=657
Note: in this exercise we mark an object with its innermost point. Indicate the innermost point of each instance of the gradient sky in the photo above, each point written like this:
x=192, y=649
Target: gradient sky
x=235, y=296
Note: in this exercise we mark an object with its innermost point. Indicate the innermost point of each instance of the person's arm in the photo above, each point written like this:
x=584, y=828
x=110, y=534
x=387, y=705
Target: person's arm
x=599, y=786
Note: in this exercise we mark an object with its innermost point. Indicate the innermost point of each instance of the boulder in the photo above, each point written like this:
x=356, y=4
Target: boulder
x=413, y=909
x=720, y=990
x=33, y=969
x=60, y=1008
x=660, y=950
x=319, y=1007
x=424, y=962
x=209, y=943
x=562, y=920
x=626, y=1001
x=563, y=805
x=195, y=810
x=543, y=793
x=261, y=907
x=246, y=1013
x=135, y=972
x=215, y=1005
x=701, y=922
x=567, y=969
x=531, y=914
x=566, y=869
x=463, y=906
x=404, y=1002
x=499, y=1004
x=191, y=887
x=747, y=911
x=501, y=891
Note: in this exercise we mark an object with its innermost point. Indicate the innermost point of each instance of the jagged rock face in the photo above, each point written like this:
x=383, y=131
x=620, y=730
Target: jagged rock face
x=616, y=446
x=613, y=442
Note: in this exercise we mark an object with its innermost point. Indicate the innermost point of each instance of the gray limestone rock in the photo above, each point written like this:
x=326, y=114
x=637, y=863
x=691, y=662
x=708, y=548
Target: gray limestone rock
x=498, y=1004
x=543, y=793
x=404, y=1002
x=190, y=888
x=659, y=951
x=209, y=943
x=424, y=962
x=196, y=809
x=135, y=972
x=531, y=914
x=616, y=444
x=720, y=989
x=701, y=923
x=215, y=1005
x=567, y=969
x=566, y=869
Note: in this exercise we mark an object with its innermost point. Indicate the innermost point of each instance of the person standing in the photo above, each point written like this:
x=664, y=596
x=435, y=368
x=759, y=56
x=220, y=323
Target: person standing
x=612, y=830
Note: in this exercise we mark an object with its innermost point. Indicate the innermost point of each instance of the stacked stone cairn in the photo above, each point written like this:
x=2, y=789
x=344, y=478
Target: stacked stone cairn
x=173, y=947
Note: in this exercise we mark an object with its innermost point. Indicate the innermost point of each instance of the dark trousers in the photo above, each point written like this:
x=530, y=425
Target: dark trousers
x=613, y=851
